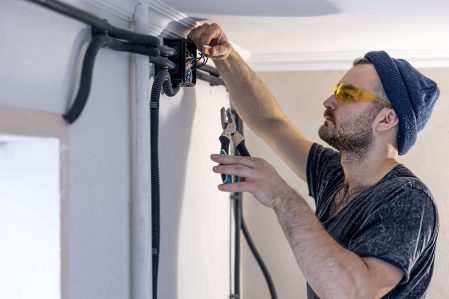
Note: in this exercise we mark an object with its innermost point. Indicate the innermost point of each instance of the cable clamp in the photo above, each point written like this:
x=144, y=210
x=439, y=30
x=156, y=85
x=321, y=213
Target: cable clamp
x=154, y=105
x=154, y=251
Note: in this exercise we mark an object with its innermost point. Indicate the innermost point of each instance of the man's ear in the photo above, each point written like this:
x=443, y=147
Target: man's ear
x=386, y=120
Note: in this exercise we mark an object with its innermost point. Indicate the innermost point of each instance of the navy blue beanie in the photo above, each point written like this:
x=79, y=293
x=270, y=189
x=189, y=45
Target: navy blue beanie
x=411, y=94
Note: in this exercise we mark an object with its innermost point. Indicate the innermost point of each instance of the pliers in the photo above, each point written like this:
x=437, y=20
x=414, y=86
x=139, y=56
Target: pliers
x=230, y=134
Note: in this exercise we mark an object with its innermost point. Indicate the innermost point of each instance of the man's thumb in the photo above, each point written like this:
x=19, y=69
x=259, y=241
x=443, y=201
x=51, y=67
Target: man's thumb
x=219, y=51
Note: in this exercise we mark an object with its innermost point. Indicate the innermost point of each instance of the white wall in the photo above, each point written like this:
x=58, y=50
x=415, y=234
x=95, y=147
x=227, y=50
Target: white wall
x=40, y=60
x=195, y=216
x=29, y=217
x=300, y=95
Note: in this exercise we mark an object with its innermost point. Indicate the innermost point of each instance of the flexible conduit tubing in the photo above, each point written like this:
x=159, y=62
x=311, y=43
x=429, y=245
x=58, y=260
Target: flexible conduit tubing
x=161, y=81
x=155, y=180
x=86, y=77
x=98, y=42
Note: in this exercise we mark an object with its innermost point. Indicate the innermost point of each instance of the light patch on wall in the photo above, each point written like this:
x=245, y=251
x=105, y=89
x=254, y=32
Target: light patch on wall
x=30, y=250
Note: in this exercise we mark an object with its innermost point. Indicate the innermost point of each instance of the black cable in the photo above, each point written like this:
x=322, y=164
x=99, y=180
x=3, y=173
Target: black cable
x=200, y=57
x=198, y=66
x=169, y=89
x=98, y=42
x=163, y=61
x=99, y=24
x=95, y=45
x=243, y=151
x=237, y=227
x=131, y=48
x=259, y=260
x=153, y=53
x=161, y=82
x=155, y=180
x=167, y=51
x=196, y=62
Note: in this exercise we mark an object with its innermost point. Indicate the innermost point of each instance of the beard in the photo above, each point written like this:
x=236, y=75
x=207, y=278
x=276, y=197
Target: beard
x=353, y=135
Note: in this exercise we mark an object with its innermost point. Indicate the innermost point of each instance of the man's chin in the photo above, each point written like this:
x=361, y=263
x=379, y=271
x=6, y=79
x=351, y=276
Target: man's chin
x=324, y=132
x=326, y=135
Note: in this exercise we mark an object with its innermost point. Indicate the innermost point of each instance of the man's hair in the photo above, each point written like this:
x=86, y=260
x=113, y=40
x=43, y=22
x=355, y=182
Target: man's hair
x=378, y=88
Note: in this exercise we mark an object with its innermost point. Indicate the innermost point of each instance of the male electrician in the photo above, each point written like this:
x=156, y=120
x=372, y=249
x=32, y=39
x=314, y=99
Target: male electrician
x=375, y=227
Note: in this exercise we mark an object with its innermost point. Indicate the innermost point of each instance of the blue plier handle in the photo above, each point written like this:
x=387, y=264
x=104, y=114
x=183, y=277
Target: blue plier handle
x=229, y=127
x=230, y=136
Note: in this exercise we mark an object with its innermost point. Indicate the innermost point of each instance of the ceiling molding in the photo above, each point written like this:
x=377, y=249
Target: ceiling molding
x=123, y=10
x=340, y=60
x=165, y=21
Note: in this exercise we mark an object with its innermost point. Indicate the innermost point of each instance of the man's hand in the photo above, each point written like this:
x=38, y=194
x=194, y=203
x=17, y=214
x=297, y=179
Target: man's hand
x=260, y=178
x=211, y=35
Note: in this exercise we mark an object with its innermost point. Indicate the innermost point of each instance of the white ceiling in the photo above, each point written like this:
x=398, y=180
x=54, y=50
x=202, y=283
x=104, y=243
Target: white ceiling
x=320, y=34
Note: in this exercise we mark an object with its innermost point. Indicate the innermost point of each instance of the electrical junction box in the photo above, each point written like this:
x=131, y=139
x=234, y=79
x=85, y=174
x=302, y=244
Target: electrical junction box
x=185, y=60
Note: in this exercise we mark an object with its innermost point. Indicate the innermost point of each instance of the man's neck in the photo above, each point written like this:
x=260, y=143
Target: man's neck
x=367, y=170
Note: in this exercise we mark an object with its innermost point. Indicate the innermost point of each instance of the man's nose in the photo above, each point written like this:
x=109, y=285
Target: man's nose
x=330, y=102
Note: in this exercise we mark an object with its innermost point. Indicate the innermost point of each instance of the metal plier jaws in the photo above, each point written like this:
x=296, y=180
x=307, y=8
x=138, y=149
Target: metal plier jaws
x=230, y=136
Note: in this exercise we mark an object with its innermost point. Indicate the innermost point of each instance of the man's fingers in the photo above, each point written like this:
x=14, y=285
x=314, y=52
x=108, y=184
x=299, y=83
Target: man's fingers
x=229, y=159
x=235, y=187
x=210, y=35
x=195, y=35
x=238, y=170
x=218, y=51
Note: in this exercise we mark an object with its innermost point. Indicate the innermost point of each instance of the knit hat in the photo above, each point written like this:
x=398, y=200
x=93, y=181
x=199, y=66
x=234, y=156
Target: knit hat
x=411, y=94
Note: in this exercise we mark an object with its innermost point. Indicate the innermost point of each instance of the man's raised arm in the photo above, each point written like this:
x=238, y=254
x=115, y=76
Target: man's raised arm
x=252, y=99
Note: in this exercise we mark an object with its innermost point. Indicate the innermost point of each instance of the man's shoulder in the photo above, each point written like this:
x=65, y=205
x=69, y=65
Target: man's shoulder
x=405, y=195
x=403, y=179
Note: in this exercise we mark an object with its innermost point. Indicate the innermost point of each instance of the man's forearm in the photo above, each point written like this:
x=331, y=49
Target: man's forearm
x=331, y=270
x=250, y=96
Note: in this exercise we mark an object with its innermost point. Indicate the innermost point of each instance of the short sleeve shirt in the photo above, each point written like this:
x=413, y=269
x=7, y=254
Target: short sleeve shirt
x=394, y=220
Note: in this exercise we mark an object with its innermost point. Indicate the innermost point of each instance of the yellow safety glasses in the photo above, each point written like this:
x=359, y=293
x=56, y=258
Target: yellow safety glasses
x=346, y=93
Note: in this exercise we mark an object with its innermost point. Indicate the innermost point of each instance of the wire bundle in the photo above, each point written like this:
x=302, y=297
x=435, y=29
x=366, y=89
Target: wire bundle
x=203, y=58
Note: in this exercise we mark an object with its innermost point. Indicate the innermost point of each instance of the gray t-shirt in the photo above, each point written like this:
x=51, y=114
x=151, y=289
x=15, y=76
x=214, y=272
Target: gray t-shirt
x=394, y=220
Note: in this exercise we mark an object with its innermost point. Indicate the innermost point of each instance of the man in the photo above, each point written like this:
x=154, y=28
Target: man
x=375, y=227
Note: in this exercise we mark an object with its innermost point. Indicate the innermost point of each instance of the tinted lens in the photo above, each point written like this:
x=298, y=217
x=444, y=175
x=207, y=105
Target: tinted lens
x=346, y=93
